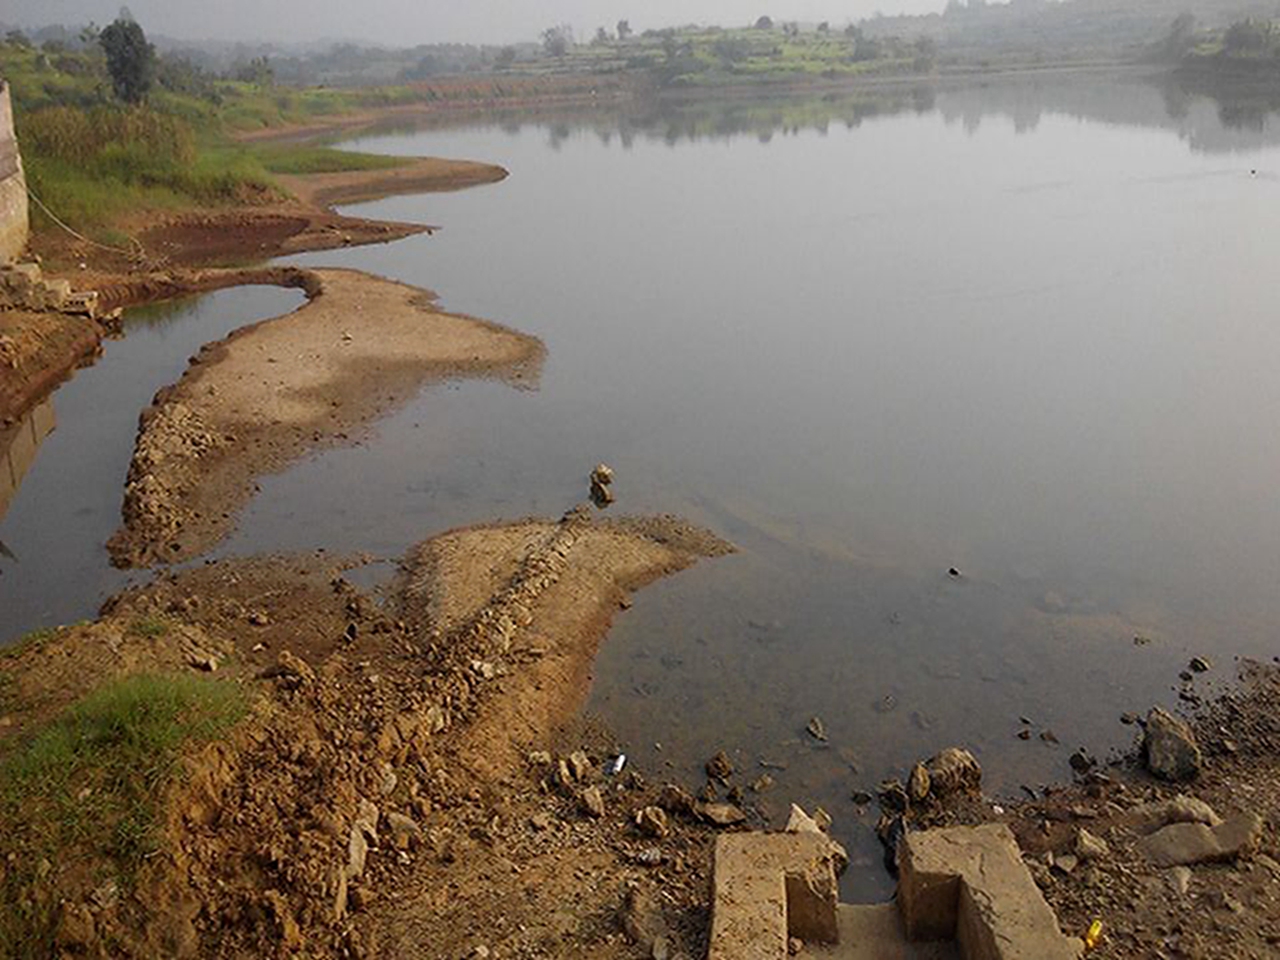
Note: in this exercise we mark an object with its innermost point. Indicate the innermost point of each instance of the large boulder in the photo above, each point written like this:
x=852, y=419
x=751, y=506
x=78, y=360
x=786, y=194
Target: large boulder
x=1170, y=747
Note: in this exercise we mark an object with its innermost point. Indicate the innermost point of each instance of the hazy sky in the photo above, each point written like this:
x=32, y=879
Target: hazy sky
x=408, y=22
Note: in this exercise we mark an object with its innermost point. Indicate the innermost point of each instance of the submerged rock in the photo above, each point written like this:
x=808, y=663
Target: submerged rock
x=954, y=770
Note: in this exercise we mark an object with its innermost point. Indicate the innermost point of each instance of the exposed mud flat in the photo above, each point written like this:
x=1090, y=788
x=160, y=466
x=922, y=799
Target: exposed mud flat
x=380, y=799
x=274, y=390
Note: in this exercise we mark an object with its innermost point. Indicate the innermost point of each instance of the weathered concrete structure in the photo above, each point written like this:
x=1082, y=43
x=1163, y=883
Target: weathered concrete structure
x=15, y=218
x=963, y=892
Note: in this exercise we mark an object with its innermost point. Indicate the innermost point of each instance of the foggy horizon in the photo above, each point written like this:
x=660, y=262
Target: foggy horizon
x=404, y=23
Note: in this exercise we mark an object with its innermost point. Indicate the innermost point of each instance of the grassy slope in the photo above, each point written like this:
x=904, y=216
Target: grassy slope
x=93, y=188
x=84, y=791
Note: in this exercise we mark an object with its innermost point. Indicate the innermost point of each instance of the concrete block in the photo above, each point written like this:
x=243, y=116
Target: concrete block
x=970, y=884
x=768, y=887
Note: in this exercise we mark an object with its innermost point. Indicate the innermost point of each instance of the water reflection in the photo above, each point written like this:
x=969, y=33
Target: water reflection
x=1212, y=115
x=18, y=447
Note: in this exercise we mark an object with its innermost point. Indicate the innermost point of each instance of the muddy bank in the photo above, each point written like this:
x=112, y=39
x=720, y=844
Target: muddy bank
x=39, y=350
x=273, y=391
x=387, y=794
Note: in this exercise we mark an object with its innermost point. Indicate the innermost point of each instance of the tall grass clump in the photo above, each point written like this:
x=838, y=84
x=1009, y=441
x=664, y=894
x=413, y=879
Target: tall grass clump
x=91, y=166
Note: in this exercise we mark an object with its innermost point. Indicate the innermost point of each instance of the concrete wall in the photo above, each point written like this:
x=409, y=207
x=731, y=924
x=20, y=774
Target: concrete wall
x=15, y=221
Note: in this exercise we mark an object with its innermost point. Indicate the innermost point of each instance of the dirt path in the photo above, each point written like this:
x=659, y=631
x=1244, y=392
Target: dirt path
x=270, y=392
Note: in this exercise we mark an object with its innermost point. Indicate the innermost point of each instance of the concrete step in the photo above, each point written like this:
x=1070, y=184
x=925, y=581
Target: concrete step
x=874, y=932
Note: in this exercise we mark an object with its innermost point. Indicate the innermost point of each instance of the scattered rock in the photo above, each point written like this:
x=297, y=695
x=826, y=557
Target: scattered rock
x=289, y=671
x=794, y=945
x=954, y=770
x=539, y=758
x=601, y=481
x=893, y=796
x=1066, y=862
x=592, y=802
x=579, y=766
x=762, y=783
x=1180, y=880
x=1180, y=809
x=817, y=729
x=541, y=820
x=721, y=814
x=1024, y=734
x=1048, y=736
x=405, y=832
x=918, y=783
x=1082, y=761
x=1089, y=847
x=652, y=821
x=1169, y=747
x=1200, y=665
x=675, y=799
x=861, y=797
x=1183, y=844
x=720, y=767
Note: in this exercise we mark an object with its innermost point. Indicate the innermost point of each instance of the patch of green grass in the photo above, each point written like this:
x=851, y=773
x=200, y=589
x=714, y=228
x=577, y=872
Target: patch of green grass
x=307, y=159
x=149, y=627
x=85, y=789
x=33, y=640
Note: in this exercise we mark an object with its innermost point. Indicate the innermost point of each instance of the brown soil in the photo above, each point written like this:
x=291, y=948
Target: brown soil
x=37, y=351
x=261, y=398
x=426, y=705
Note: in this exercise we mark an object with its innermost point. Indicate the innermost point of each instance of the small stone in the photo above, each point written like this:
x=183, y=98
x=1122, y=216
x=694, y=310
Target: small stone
x=1024, y=734
x=1200, y=665
x=1170, y=747
x=1066, y=862
x=1129, y=719
x=1089, y=847
x=893, y=796
x=652, y=821
x=918, y=783
x=592, y=802
x=539, y=758
x=675, y=799
x=861, y=797
x=405, y=831
x=817, y=729
x=1180, y=880
x=720, y=767
x=721, y=814
x=1048, y=736
x=541, y=820
x=762, y=783
x=602, y=474
x=794, y=945
x=259, y=618
x=1082, y=761
x=579, y=766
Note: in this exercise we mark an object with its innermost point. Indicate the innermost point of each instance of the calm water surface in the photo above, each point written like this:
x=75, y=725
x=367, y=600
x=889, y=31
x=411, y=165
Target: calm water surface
x=1025, y=331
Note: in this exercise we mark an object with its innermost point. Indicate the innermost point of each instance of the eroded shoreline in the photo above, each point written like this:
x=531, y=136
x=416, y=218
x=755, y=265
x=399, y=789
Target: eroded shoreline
x=274, y=390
